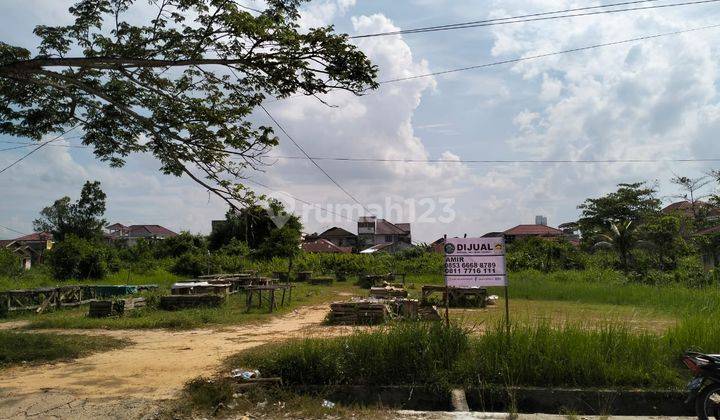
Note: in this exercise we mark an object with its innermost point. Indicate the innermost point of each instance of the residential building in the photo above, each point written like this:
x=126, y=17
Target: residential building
x=340, y=237
x=374, y=231
x=131, y=234
x=700, y=208
x=30, y=248
x=324, y=246
x=526, y=231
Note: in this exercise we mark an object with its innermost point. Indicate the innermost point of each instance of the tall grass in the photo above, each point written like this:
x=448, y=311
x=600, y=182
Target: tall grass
x=409, y=353
x=610, y=287
x=532, y=355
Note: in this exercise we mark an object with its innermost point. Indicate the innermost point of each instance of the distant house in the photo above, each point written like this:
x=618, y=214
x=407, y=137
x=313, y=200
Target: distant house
x=527, y=231
x=131, y=234
x=390, y=248
x=30, y=248
x=374, y=231
x=323, y=246
x=686, y=208
x=339, y=237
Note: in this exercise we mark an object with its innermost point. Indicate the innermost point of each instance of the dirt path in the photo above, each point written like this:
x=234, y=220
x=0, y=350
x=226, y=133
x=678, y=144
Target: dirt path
x=154, y=368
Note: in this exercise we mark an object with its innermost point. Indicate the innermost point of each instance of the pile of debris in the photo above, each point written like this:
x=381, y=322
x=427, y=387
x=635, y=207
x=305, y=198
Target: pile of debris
x=359, y=312
x=372, y=311
x=388, y=292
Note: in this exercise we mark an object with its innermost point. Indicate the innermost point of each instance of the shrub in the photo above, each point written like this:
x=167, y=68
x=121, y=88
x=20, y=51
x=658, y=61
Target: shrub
x=543, y=255
x=76, y=258
x=176, y=246
x=10, y=264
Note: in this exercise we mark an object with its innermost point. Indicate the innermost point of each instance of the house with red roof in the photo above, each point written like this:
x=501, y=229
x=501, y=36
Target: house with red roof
x=131, y=234
x=527, y=231
x=30, y=248
x=323, y=246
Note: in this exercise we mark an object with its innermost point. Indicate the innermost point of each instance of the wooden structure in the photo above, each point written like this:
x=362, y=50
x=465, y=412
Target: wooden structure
x=362, y=312
x=44, y=298
x=325, y=281
x=388, y=292
x=368, y=281
x=267, y=293
x=304, y=275
x=105, y=308
x=457, y=296
x=174, y=302
x=200, y=288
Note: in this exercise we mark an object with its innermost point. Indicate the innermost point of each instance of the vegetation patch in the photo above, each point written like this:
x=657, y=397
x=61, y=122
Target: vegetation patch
x=531, y=355
x=21, y=347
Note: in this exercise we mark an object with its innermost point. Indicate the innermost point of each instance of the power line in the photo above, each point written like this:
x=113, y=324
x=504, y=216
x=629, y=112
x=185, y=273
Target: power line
x=30, y=144
x=503, y=161
x=534, y=57
x=13, y=230
x=36, y=149
x=536, y=17
x=300, y=200
x=313, y=161
x=454, y=25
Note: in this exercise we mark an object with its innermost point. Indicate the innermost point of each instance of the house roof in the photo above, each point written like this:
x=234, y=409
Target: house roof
x=324, y=246
x=335, y=232
x=116, y=226
x=709, y=231
x=35, y=237
x=686, y=206
x=6, y=242
x=533, y=230
x=134, y=230
x=383, y=227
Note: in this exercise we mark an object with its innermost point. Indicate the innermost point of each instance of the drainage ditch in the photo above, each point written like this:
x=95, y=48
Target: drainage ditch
x=513, y=399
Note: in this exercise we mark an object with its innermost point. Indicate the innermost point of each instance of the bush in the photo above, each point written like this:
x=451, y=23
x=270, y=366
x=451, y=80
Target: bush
x=543, y=255
x=176, y=246
x=76, y=258
x=197, y=263
x=10, y=264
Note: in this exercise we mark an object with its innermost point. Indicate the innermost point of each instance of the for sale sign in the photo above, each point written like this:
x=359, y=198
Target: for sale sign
x=475, y=262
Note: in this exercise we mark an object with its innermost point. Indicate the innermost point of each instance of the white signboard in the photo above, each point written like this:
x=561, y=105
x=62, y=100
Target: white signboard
x=475, y=262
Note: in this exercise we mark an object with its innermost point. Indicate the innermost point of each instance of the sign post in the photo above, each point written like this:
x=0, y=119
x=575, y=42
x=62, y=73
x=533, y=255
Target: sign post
x=476, y=262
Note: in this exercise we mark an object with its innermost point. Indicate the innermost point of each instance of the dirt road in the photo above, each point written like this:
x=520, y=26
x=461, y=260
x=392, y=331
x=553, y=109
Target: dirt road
x=124, y=383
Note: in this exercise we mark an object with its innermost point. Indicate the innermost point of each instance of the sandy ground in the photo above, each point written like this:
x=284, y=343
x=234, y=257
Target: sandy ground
x=128, y=383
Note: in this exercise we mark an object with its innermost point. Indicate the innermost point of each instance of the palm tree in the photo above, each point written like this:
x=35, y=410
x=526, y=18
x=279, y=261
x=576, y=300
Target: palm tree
x=622, y=239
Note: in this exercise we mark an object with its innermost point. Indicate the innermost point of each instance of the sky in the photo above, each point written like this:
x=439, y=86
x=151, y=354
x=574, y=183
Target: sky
x=655, y=99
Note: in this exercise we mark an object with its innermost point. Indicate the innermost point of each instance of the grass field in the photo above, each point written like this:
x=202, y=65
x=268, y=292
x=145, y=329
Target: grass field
x=40, y=277
x=20, y=347
x=233, y=312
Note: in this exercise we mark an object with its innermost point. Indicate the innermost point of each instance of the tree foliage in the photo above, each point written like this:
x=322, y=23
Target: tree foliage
x=83, y=218
x=270, y=231
x=630, y=203
x=76, y=258
x=180, y=86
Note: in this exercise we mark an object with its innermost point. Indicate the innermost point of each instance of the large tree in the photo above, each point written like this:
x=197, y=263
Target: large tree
x=83, y=218
x=180, y=86
x=269, y=231
x=630, y=203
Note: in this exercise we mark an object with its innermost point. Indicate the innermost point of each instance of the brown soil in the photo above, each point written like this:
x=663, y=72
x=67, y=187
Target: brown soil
x=154, y=368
